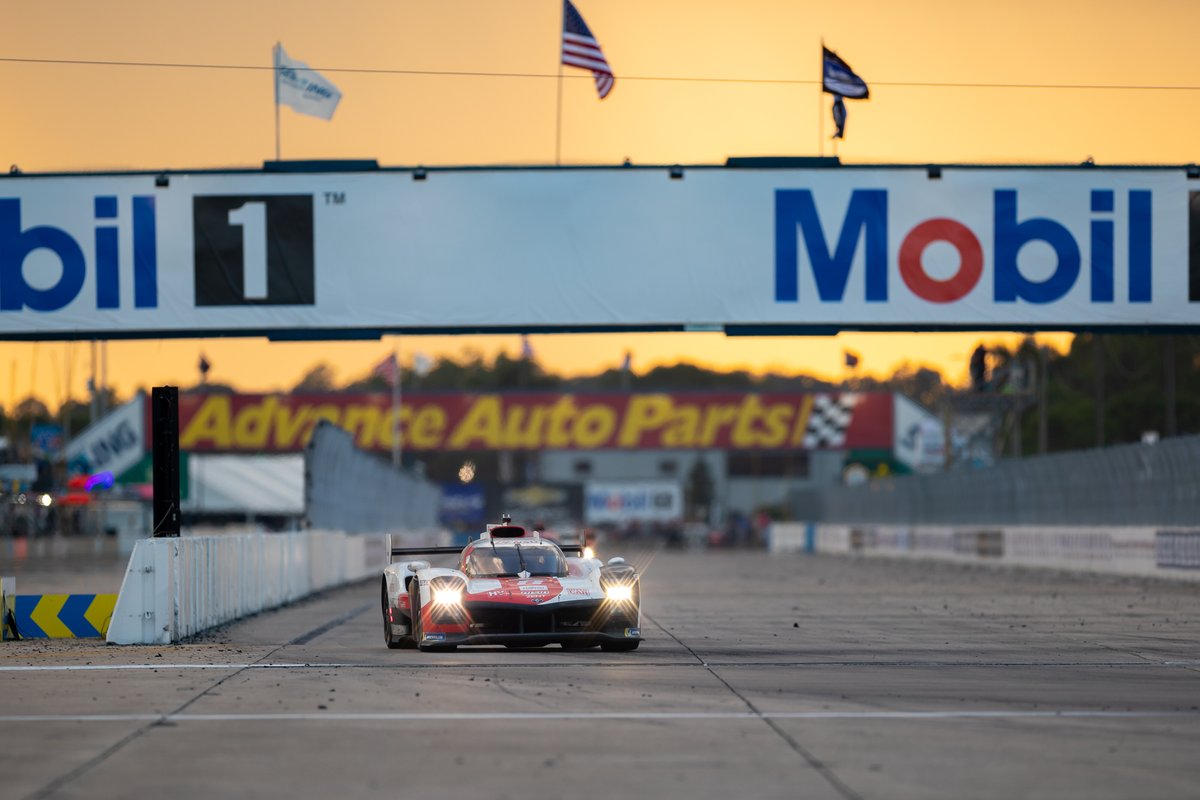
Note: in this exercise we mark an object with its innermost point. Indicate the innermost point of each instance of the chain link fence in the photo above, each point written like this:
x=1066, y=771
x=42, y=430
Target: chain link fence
x=1137, y=484
x=347, y=489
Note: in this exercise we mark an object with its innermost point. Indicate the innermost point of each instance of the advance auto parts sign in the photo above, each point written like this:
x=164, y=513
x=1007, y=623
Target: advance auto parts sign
x=256, y=253
x=283, y=423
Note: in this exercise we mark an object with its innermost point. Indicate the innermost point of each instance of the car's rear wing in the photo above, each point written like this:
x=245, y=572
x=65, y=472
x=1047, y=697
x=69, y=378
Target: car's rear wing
x=568, y=548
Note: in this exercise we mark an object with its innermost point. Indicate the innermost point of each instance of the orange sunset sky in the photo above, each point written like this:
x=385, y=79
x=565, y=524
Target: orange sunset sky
x=1050, y=82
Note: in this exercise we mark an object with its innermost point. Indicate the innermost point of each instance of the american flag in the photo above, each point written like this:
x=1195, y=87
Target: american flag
x=580, y=49
x=387, y=369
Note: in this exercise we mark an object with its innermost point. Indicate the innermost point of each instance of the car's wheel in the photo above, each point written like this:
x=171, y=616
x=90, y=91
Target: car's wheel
x=620, y=647
x=392, y=641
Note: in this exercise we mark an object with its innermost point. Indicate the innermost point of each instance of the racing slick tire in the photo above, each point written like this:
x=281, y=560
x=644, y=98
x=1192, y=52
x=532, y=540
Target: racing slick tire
x=620, y=647
x=394, y=642
x=414, y=605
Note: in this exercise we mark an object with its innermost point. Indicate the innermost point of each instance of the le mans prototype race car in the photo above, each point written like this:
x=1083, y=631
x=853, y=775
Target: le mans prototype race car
x=511, y=587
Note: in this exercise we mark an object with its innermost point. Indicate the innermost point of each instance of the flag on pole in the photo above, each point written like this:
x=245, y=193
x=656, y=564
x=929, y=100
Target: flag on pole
x=580, y=49
x=526, y=348
x=839, y=80
x=388, y=370
x=304, y=89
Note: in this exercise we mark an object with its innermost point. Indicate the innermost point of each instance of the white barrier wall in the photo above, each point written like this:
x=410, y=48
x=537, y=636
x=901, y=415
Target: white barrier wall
x=175, y=588
x=1122, y=550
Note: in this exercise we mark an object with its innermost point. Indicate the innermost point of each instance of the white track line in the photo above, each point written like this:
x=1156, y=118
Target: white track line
x=599, y=715
x=93, y=667
x=597, y=664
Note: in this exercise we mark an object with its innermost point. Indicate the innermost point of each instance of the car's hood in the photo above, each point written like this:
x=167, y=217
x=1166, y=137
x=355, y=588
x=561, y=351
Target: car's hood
x=530, y=591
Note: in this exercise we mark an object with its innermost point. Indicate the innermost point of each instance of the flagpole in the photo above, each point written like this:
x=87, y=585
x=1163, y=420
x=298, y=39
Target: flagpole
x=558, y=112
x=396, y=447
x=276, y=70
x=821, y=105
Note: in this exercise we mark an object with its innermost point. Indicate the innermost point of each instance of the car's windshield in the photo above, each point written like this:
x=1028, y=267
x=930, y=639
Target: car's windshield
x=498, y=562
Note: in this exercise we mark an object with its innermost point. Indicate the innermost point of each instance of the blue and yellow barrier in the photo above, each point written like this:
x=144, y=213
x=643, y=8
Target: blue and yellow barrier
x=63, y=616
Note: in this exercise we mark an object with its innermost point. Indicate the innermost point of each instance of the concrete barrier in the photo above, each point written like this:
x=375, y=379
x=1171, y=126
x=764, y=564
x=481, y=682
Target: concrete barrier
x=1121, y=550
x=175, y=588
x=8, y=608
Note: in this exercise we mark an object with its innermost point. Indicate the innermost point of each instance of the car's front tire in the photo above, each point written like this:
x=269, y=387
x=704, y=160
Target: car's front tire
x=392, y=641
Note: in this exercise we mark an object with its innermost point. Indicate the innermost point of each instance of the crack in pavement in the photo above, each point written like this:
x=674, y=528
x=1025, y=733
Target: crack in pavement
x=815, y=763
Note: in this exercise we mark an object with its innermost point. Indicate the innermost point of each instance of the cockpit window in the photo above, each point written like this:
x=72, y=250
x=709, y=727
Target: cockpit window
x=508, y=562
x=546, y=561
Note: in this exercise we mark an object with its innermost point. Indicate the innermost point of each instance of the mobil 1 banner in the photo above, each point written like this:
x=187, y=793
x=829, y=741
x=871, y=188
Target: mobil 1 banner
x=261, y=253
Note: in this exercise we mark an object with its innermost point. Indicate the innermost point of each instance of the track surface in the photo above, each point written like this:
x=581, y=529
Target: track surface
x=784, y=677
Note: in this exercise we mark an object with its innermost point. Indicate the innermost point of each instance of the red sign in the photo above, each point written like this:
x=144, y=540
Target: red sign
x=541, y=421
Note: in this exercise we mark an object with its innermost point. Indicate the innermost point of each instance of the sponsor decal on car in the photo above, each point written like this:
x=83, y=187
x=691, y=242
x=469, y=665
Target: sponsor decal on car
x=632, y=632
x=435, y=637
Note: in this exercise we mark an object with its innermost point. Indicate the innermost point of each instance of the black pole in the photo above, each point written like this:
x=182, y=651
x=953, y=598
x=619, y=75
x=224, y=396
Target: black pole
x=1043, y=388
x=164, y=433
x=1098, y=350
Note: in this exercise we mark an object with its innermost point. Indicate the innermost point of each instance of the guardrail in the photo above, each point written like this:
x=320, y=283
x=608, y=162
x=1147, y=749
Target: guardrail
x=1123, y=550
x=175, y=588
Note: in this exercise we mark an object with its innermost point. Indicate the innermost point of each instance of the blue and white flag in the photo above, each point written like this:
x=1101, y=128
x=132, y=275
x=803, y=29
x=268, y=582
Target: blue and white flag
x=839, y=79
x=304, y=89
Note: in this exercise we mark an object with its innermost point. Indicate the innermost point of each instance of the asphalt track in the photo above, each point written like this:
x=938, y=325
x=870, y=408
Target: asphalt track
x=760, y=677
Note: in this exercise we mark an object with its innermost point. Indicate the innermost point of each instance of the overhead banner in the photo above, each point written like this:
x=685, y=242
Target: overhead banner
x=594, y=248
x=541, y=421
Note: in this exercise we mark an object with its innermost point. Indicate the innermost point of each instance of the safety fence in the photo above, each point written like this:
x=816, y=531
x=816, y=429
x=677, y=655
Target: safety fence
x=1140, y=485
x=351, y=490
x=176, y=587
x=1124, y=550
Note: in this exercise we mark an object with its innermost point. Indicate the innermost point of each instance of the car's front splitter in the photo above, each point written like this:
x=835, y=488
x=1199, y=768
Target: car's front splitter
x=582, y=638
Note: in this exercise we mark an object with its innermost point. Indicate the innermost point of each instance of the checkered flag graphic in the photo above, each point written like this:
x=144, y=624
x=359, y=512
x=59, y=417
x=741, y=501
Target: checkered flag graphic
x=829, y=419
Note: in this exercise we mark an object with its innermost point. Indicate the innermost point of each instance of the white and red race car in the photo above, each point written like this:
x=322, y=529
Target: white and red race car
x=511, y=587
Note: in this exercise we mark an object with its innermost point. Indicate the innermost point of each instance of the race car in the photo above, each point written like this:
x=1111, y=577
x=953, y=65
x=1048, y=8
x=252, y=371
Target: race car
x=510, y=587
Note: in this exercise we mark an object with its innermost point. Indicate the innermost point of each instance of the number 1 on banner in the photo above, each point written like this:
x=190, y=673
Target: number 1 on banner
x=252, y=219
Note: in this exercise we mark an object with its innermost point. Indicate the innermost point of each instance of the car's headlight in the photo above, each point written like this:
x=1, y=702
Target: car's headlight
x=589, y=553
x=447, y=597
x=621, y=593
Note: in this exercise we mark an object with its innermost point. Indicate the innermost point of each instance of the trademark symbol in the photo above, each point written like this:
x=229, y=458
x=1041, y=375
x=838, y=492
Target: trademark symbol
x=335, y=198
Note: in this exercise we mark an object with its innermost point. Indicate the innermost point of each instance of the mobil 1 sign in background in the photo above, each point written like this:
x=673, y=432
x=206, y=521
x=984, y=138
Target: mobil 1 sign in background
x=589, y=248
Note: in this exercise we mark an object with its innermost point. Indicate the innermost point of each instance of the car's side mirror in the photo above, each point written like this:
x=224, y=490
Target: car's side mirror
x=416, y=566
x=612, y=562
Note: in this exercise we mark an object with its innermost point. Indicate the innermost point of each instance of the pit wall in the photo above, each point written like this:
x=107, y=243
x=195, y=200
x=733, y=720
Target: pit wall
x=175, y=588
x=1122, y=550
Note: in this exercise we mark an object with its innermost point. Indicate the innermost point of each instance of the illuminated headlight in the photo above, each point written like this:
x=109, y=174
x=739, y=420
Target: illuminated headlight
x=619, y=594
x=45, y=500
x=447, y=597
x=589, y=552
